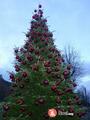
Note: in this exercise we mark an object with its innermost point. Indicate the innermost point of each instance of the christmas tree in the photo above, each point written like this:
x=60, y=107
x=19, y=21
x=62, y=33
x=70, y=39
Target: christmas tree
x=42, y=80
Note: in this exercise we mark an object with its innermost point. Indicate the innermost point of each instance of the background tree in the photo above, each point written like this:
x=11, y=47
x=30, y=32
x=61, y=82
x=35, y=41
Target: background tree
x=42, y=79
x=85, y=96
x=82, y=91
x=72, y=57
x=4, y=88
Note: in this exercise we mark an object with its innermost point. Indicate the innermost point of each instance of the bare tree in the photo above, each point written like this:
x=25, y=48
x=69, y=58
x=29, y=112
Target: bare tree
x=84, y=95
x=72, y=57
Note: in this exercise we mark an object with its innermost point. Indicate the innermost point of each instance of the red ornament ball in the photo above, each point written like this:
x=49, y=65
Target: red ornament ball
x=17, y=79
x=58, y=92
x=23, y=62
x=30, y=58
x=68, y=90
x=20, y=101
x=6, y=107
x=24, y=74
x=53, y=87
x=47, y=64
x=46, y=82
x=48, y=70
x=31, y=49
x=74, y=84
x=17, y=57
x=40, y=6
x=12, y=76
x=71, y=110
x=35, y=11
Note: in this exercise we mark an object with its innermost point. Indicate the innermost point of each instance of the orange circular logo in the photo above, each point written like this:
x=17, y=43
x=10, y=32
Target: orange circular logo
x=52, y=112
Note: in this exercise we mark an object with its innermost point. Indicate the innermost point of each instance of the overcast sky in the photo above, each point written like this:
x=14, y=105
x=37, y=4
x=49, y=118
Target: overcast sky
x=69, y=19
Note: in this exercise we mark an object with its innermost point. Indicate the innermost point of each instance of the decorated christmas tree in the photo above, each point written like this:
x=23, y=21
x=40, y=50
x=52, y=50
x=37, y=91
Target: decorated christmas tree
x=42, y=81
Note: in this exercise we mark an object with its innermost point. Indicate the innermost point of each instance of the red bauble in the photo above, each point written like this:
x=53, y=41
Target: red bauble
x=24, y=74
x=19, y=60
x=66, y=73
x=46, y=82
x=59, y=60
x=42, y=39
x=16, y=66
x=58, y=92
x=48, y=70
x=50, y=56
x=17, y=57
x=40, y=6
x=39, y=34
x=50, y=49
x=20, y=101
x=17, y=79
x=58, y=83
x=40, y=12
x=33, y=17
x=17, y=69
x=35, y=10
x=44, y=20
x=71, y=110
x=68, y=90
x=30, y=58
x=37, y=52
x=12, y=76
x=41, y=15
x=74, y=84
x=45, y=34
x=76, y=97
x=47, y=64
x=35, y=68
x=23, y=62
x=6, y=107
x=31, y=49
x=53, y=87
